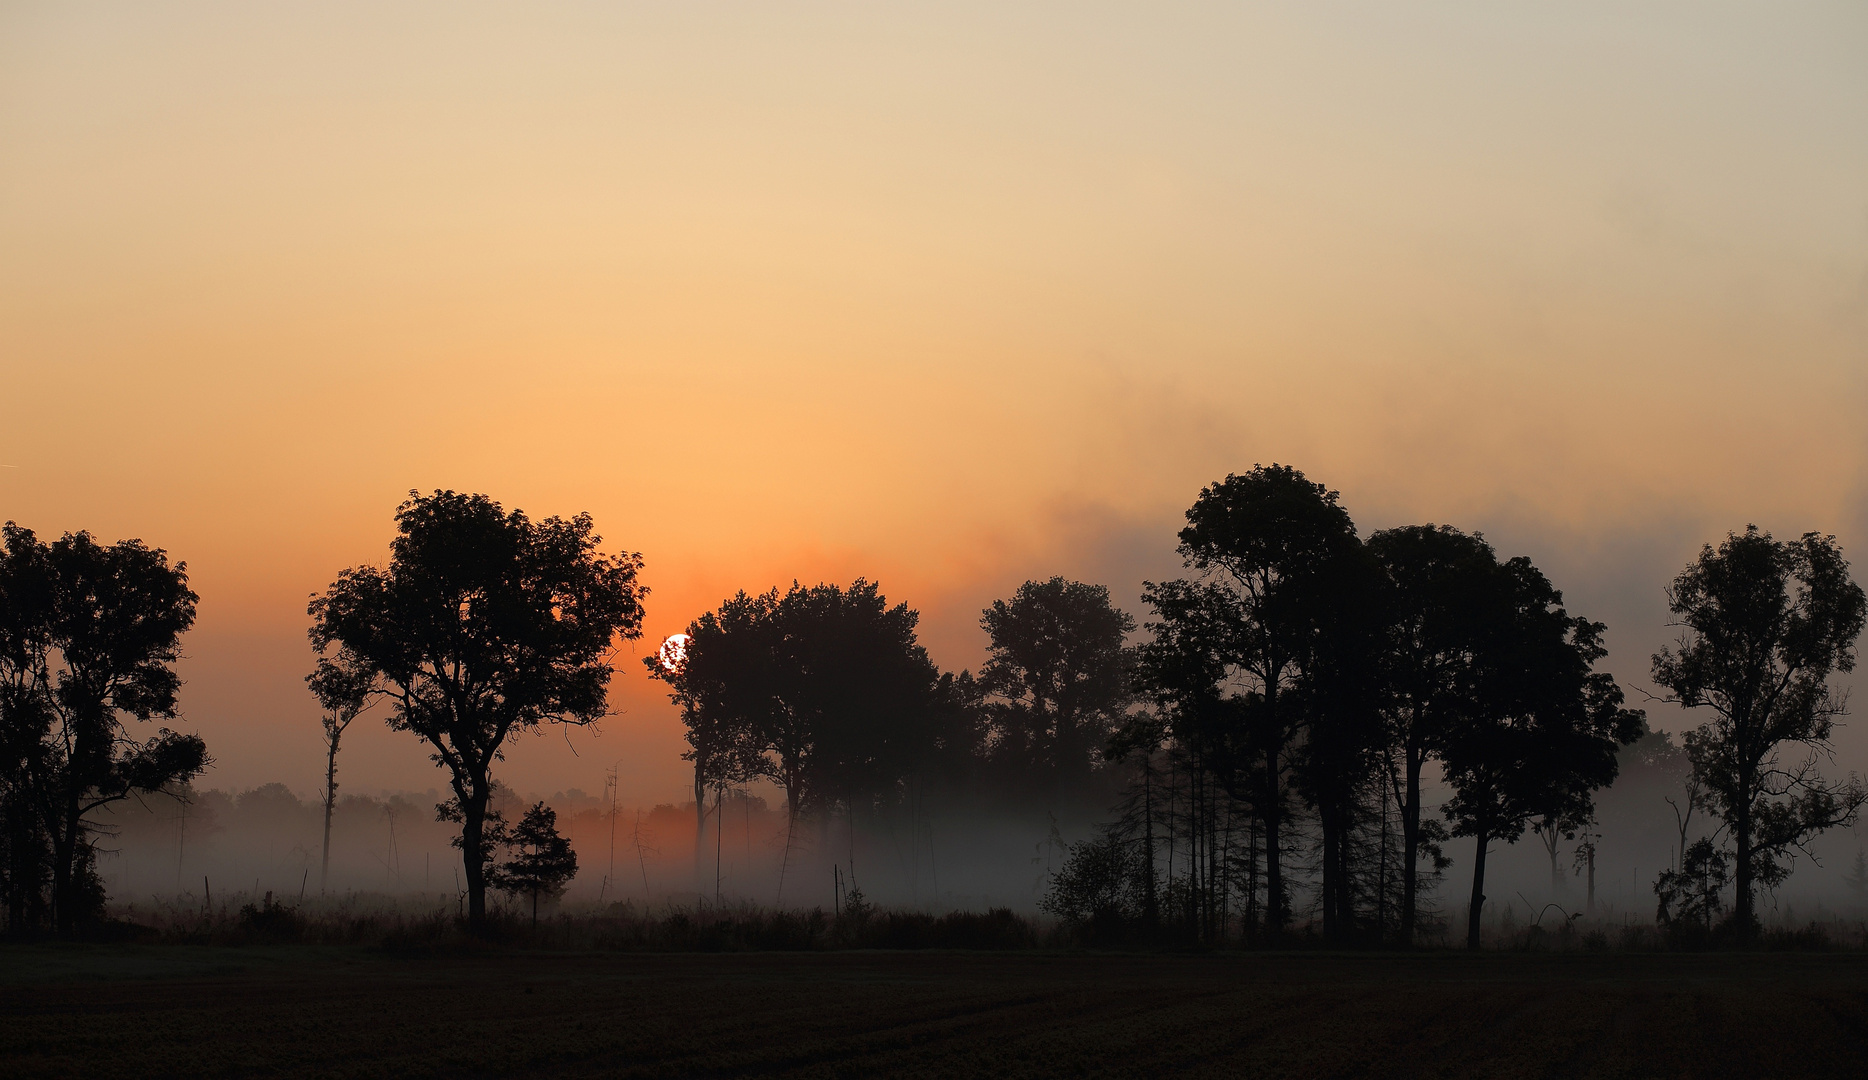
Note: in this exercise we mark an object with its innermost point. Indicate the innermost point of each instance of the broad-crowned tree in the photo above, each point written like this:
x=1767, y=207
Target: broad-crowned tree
x=1763, y=625
x=104, y=633
x=822, y=689
x=1056, y=679
x=1541, y=729
x=484, y=624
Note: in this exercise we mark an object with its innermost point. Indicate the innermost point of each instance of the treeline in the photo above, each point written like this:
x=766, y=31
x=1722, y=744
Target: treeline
x=1275, y=725
x=1283, y=709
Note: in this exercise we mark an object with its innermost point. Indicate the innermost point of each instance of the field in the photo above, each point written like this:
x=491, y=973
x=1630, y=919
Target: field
x=167, y=1010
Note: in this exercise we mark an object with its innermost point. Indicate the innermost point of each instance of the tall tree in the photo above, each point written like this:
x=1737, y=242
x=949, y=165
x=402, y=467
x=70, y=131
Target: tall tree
x=1764, y=624
x=1335, y=768
x=1056, y=678
x=108, y=633
x=722, y=675
x=25, y=726
x=1272, y=540
x=1542, y=728
x=1437, y=581
x=484, y=623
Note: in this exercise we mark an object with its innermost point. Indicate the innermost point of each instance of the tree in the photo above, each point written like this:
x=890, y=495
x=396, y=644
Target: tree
x=25, y=727
x=1237, y=645
x=112, y=634
x=824, y=690
x=1542, y=728
x=1763, y=625
x=1055, y=678
x=1271, y=540
x=1437, y=579
x=484, y=623
x=722, y=675
x=545, y=863
x=1692, y=895
x=349, y=691
x=91, y=635
x=1336, y=767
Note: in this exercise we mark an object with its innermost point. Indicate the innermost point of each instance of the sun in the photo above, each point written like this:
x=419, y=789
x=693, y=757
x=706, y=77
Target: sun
x=674, y=651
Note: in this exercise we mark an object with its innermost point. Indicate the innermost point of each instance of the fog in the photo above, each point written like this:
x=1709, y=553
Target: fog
x=933, y=852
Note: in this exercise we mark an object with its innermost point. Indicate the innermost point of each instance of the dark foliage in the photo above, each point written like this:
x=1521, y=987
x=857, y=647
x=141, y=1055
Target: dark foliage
x=1763, y=625
x=1056, y=682
x=484, y=624
x=542, y=863
x=89, y=635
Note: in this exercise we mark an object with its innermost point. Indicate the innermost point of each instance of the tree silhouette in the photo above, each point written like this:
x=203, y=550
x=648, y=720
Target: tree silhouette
x=484, y=623
x=1542, y=728
x=724, y=680
x=824, y=690
x=95, y=637
x=1763, y=625
x=1270, y=540
x=1055, y=679
x=1439, y=579
x=1692, y=895
x=1336, y=767
x=544, y=863
x=349, y=691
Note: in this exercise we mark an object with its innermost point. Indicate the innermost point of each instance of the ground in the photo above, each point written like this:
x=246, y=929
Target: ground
x=122, y=1011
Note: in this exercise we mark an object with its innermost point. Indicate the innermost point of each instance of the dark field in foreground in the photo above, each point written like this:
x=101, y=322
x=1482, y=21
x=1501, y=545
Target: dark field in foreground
x=168, y=1010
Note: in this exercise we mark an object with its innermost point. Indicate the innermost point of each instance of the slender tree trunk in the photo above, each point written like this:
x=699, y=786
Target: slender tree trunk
x=1330, y=881
x=1478, y=892
x=1410, y=843
x=1151, y=911
x=700, y=816
x=1274, y=870
x=330, y=804
x=1741, y=876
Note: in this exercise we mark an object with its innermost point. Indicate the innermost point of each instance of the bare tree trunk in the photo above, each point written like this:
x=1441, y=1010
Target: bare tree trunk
x=1151, y=912
x=1741, y=842
x=330, y=804
x=1410, y=844
x=1478, y=892
x=700, y=816
x=1274, y=870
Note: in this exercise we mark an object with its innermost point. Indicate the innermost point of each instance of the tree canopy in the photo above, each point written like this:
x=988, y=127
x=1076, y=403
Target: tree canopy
x=484, y=623
x=1764, y=624
x=1056, y=678
x=89, y=634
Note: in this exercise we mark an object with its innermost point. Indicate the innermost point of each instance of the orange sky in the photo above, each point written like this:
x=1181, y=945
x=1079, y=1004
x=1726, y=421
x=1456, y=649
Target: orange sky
x=949, y=295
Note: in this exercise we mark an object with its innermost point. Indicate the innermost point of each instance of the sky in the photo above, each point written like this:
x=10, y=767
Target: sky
x=946, y=295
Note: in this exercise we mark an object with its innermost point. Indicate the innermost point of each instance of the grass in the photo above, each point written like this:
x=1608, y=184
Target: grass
x=291, y=1010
